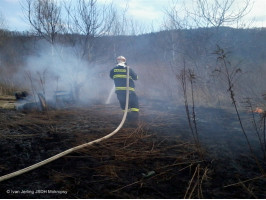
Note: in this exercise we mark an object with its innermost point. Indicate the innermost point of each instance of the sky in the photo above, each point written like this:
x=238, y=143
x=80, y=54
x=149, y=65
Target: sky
x=146, y=12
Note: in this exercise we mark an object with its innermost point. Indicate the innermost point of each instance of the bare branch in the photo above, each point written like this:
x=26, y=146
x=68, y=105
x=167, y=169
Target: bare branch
x=205, y=13
x=45, y=18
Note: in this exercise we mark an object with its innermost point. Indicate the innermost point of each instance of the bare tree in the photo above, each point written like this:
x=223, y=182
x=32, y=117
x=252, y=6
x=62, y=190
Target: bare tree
x=206, y=13
x=89, y=20
x=222, y=12
x=196, y=46
x=200, y=13
x=85, y=21
x=45, y=17
x=119, y=26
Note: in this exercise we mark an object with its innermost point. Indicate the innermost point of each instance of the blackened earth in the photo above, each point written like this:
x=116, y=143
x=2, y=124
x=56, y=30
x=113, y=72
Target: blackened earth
x=156, y=159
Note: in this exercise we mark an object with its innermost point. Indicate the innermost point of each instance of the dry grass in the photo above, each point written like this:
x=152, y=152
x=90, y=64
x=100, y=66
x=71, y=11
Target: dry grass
x=149, y=158
x=7, y=87
x=135, y=163
x=194, y=189
x=7, y=102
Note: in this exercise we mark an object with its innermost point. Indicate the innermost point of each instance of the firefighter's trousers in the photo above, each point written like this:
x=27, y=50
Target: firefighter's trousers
x=133, y=104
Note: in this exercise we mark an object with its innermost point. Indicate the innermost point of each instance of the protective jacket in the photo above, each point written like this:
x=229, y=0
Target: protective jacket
x=119, y=74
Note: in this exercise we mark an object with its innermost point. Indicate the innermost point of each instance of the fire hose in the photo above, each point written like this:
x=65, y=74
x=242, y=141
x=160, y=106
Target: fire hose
x=68, y=151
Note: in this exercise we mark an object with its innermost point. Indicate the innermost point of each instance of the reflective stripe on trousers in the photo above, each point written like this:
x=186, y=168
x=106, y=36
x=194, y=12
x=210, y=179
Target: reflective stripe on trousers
x=132, y=110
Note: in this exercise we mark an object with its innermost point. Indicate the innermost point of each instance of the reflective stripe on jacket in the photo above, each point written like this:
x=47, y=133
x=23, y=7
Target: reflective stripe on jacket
x=119, y=75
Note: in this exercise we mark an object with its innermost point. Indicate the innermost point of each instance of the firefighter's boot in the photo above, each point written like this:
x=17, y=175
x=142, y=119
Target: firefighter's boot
x=133, y=118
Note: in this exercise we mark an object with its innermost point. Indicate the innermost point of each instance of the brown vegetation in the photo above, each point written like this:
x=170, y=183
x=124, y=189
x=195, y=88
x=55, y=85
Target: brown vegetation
x=138, y=162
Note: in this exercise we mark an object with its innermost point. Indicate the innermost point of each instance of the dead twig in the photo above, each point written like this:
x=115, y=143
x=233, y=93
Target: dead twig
x=252, y=179
x=127, y=186
x=247, y=189
x=190, y=183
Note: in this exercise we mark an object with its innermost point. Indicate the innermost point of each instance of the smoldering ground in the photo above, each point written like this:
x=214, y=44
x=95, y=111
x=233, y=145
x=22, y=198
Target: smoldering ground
x=98, y=171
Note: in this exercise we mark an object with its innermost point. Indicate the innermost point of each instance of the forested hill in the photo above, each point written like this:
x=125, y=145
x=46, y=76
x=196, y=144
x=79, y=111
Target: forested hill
x=245, y=43
x=159, y=56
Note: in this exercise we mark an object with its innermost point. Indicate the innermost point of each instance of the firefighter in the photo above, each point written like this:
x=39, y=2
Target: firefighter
x=119, y=75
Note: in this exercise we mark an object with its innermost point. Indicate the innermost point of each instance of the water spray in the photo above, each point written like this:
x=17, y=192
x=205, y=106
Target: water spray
x=110, y=95
x=57, y=156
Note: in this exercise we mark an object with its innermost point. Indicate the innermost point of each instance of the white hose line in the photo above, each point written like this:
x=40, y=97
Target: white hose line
x=55, y=157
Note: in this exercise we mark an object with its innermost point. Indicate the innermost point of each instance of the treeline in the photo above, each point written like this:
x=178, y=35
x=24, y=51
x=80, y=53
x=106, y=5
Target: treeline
x=245, y=44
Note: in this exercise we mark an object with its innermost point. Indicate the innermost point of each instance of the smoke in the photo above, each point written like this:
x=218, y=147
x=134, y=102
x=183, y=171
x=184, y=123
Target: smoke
x=57, y=68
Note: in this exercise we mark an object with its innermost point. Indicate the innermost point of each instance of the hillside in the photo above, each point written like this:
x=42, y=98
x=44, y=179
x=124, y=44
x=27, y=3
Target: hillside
x=156, y=57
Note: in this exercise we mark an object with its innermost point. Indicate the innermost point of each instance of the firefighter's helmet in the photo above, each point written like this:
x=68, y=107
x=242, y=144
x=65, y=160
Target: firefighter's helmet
x=121, y=59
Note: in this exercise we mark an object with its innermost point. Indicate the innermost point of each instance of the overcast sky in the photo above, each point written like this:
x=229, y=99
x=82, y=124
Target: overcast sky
x=146, y=11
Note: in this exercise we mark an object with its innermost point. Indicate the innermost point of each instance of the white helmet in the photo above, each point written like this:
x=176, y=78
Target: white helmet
x=121, y=59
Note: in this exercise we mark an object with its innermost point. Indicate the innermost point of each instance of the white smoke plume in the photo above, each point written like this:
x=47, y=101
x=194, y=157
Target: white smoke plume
x=56, y=68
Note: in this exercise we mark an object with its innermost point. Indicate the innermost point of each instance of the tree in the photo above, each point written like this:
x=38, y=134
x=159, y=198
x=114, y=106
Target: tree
x=89, y=20
x=45, y=18
x=200, y=16
x=221, y=12
x=206, y=13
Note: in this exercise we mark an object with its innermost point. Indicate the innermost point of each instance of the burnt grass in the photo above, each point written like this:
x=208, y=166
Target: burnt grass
x=156, y=159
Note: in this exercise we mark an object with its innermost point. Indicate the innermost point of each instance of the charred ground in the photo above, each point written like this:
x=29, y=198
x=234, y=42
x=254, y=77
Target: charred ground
x=154, y=160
